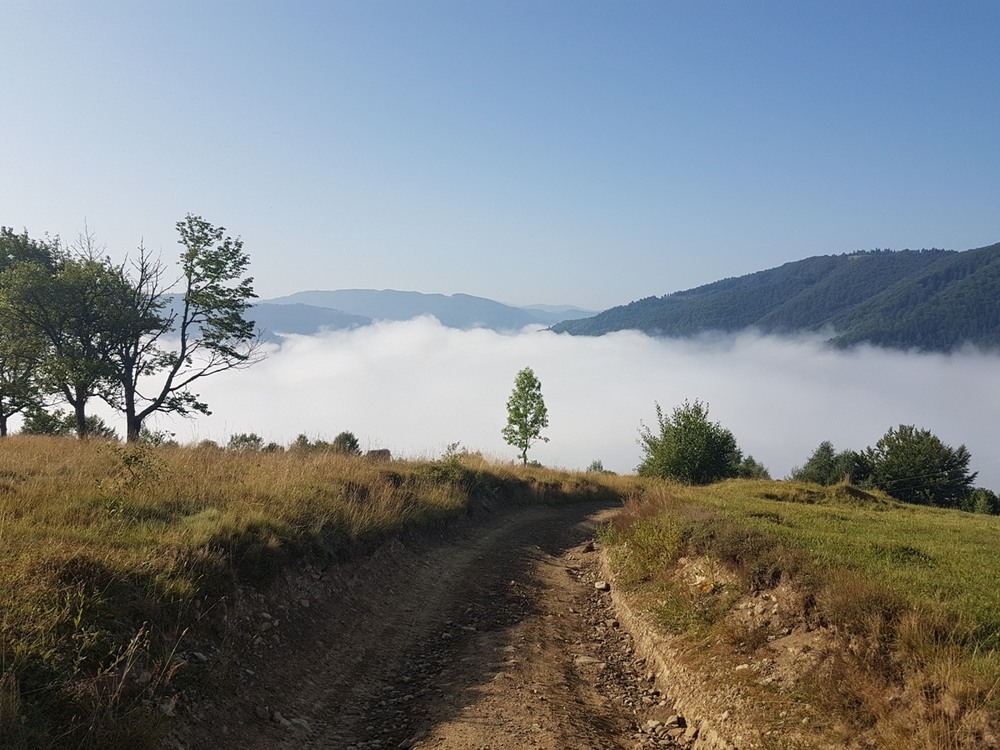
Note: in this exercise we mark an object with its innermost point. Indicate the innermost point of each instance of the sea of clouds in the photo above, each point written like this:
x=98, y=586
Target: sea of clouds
x=415, y=387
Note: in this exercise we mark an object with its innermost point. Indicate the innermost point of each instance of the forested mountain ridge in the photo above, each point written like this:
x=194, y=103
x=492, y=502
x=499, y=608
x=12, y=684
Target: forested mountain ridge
x=934, y=300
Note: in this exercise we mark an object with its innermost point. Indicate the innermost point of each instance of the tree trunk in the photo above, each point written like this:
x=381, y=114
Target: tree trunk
x=133, y=422
x=79, y=404
x=133, y=428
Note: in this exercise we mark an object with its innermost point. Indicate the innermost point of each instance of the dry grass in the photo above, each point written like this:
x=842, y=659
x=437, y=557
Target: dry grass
x=906, y=595
x=97, y=539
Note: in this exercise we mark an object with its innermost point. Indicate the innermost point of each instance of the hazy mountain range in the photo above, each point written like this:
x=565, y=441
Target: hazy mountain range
x=930, y=300
x=312, y=311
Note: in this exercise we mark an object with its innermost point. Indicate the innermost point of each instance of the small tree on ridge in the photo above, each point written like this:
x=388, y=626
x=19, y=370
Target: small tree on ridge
x=526, y=413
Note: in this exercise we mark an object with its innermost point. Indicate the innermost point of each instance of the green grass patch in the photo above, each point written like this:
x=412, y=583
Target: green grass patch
x=909, y=592
x=935, y=559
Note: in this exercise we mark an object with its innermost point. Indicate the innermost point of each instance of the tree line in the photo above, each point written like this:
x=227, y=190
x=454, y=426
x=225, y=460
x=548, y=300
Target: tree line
x=77, y=326
x=909, y=464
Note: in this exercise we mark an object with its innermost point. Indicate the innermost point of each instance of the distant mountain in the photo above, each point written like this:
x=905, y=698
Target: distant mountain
x=311, y=311
x=569, y=312
x=932, y=300
x=305, y=319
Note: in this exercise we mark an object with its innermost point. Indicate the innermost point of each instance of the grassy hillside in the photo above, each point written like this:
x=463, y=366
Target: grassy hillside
x=114, y=558
x=110, y=553
x=929, y=299
x=890, y=612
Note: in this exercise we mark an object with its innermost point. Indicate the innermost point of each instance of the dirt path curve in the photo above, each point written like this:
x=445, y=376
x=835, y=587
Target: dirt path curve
x=494, y=640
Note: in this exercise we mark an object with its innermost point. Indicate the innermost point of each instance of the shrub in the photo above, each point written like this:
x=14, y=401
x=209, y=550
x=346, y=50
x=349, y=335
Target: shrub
x=157, y=437
x=750, y=468
x=301, y=443
x=688, y=448
x=982, y=500
x=245, y=442
x=59, y=422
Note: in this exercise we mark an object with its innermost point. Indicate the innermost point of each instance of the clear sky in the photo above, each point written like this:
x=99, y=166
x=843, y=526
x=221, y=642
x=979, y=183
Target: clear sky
x=576, y=152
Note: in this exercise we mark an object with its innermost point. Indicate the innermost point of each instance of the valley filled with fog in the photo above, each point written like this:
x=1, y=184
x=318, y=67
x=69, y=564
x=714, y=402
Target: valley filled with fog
x=416, y=386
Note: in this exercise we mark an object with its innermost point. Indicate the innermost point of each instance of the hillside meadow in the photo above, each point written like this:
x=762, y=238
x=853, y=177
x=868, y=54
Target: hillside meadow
x=874, y=623
x=112, y=556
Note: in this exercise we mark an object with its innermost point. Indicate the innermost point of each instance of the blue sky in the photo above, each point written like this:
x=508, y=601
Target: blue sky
x=578, y=152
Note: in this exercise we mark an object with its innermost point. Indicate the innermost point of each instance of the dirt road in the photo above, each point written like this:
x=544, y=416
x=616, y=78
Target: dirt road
x=495, y=638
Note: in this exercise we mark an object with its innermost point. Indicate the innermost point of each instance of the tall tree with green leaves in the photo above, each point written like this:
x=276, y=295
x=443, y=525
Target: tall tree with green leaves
x=20, y=248
x=917, y=467
x=65, y=307
x=21, y=355
x=22, y=350
x=181, y=337
x=527, y=415
x=687, y=447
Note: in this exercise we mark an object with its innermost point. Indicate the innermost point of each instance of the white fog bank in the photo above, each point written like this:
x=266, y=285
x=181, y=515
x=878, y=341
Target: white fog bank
x=414, y=387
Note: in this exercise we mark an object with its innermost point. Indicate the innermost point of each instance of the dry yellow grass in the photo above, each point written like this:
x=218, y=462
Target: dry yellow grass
x=98, y=538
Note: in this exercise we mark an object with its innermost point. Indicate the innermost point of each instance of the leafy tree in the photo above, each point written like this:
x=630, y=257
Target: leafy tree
x=205, y=323
x=826, y=466
x=526, y=413
x=916, y=467
x=688, y=448
x=66, y=309
x=20, y=248
x=347, y=443
x=21, y=355
x=21, y=348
